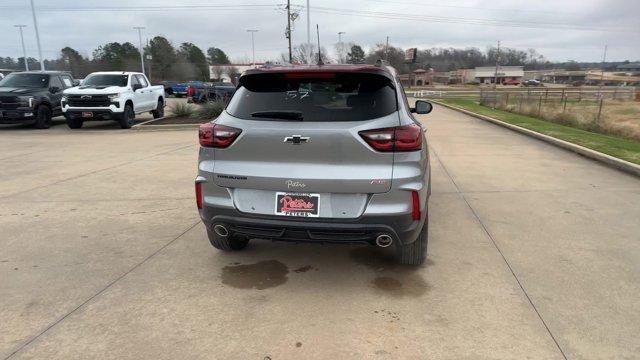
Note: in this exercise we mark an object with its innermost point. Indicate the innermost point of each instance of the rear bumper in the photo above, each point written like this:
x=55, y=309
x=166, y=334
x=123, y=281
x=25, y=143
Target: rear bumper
x=364, y=230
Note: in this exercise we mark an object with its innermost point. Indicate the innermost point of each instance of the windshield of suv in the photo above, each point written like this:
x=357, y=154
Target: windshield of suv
x=309, y=97
x=25, y=80
x=106, y=80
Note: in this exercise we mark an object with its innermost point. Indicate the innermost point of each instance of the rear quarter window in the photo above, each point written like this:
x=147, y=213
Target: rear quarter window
x=328, y=97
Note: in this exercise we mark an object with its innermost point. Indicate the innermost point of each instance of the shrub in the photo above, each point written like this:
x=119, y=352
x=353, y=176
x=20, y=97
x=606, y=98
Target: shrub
x=181, y=110
x=211, y=109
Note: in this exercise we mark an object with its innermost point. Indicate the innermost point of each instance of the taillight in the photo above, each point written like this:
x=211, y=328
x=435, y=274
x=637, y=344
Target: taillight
x=415, y=201
x=216, y=135
x=199, y=199
x=191, y=91
x=399, y=138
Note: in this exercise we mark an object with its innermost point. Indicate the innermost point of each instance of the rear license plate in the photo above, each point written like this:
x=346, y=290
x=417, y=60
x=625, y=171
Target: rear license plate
x=87, y=114
x=297, y=204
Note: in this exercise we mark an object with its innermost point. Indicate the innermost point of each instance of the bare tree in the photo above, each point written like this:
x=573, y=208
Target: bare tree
x=218, y=71
x=300, y=54
x=232, y=72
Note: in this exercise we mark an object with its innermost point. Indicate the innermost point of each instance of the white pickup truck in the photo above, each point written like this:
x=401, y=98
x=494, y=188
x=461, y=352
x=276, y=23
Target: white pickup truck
x=112, y=95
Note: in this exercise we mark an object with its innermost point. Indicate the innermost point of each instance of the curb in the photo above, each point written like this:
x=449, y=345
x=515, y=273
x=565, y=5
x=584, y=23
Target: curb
x=146, y=126
x=166, y=127
x=611, y=161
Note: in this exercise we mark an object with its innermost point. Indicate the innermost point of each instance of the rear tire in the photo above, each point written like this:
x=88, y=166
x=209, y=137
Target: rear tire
x=74, y=123
x=415, y=253
x=43, y=117
x=159, y=111
x=231, y=242
x=127, y=118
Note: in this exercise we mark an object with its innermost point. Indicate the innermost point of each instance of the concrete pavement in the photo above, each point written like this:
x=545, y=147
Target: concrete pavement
x=533, y=253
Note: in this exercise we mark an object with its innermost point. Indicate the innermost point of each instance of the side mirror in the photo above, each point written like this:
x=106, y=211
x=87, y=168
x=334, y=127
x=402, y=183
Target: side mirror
x=54, y=89
x=137, y=87
x=422, y=107
x=76, y=83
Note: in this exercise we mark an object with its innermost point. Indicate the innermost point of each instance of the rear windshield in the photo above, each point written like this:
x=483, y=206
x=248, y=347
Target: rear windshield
x=106, y=80
x=324, y=97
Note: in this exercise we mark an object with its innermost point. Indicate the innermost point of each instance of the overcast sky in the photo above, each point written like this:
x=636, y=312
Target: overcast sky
x=559, y=29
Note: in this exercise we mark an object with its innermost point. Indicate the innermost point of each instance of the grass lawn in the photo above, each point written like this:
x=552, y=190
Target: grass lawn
x=611, y=145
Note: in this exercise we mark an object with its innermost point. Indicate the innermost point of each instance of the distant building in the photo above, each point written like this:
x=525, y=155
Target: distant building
x=462, y=76
x=563, y=76
x=223, y=71
x=488, y=74
x=633, y=68
x=418, y=77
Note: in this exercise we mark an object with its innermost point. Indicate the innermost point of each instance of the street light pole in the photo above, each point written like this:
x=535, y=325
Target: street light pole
x=140, y=28
x=35, y=26
x=495, y=75
x=341, y=45
x=309, y=34
x=253, y=47
x=24, y=50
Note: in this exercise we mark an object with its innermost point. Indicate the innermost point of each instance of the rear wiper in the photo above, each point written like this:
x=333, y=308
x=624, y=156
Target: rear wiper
x=285, y=115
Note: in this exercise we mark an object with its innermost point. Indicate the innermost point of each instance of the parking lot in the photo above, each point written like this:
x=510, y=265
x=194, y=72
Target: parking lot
x=534, y=252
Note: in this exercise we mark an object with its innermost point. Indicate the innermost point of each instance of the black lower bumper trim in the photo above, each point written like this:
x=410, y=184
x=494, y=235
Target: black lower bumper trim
x=362, y=231
x=97, y=115
x=319, y=232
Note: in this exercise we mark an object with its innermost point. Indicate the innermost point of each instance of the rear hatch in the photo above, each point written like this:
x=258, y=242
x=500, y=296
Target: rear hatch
x=299, y=133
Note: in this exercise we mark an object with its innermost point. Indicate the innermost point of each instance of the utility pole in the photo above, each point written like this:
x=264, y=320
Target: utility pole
x=35, y=26
x=24, y=50
x=604, y=58
x=319, y=53
x=289, y=29
x=149, y=58
x=140, y=28
x=341, y=46
x=495, y=75
x=308, y=34
x=253, y=47
x=386, y=51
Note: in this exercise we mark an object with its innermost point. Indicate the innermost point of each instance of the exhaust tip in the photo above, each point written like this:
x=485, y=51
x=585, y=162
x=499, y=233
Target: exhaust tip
x=220, y=230
x=384, y=240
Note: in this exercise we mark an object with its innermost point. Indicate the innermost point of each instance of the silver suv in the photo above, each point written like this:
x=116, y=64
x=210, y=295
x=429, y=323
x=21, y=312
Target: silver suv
x=317, y=154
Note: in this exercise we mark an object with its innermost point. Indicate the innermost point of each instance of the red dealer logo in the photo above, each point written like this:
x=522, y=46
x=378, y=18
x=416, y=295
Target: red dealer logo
x=291, y=204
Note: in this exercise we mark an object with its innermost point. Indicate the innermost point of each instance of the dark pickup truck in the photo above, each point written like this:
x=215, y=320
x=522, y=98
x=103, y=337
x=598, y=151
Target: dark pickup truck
x=213, y=92
x=33, y=97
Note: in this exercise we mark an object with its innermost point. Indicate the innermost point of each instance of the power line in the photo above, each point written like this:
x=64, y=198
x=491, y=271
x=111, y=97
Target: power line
x=462, y=20
x=345, y=12
x=473, y=7
x=155, y=8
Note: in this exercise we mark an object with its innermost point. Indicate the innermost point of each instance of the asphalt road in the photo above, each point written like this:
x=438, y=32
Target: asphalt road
x=534, y=252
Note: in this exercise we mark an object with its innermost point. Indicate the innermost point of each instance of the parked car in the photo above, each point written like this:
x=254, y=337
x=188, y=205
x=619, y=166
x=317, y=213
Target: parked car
x=317, y=154
x=531, y=82
x=511, y=82
x=181, y=89
x=113, y=95
x=32, y=97
x=168, y=87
